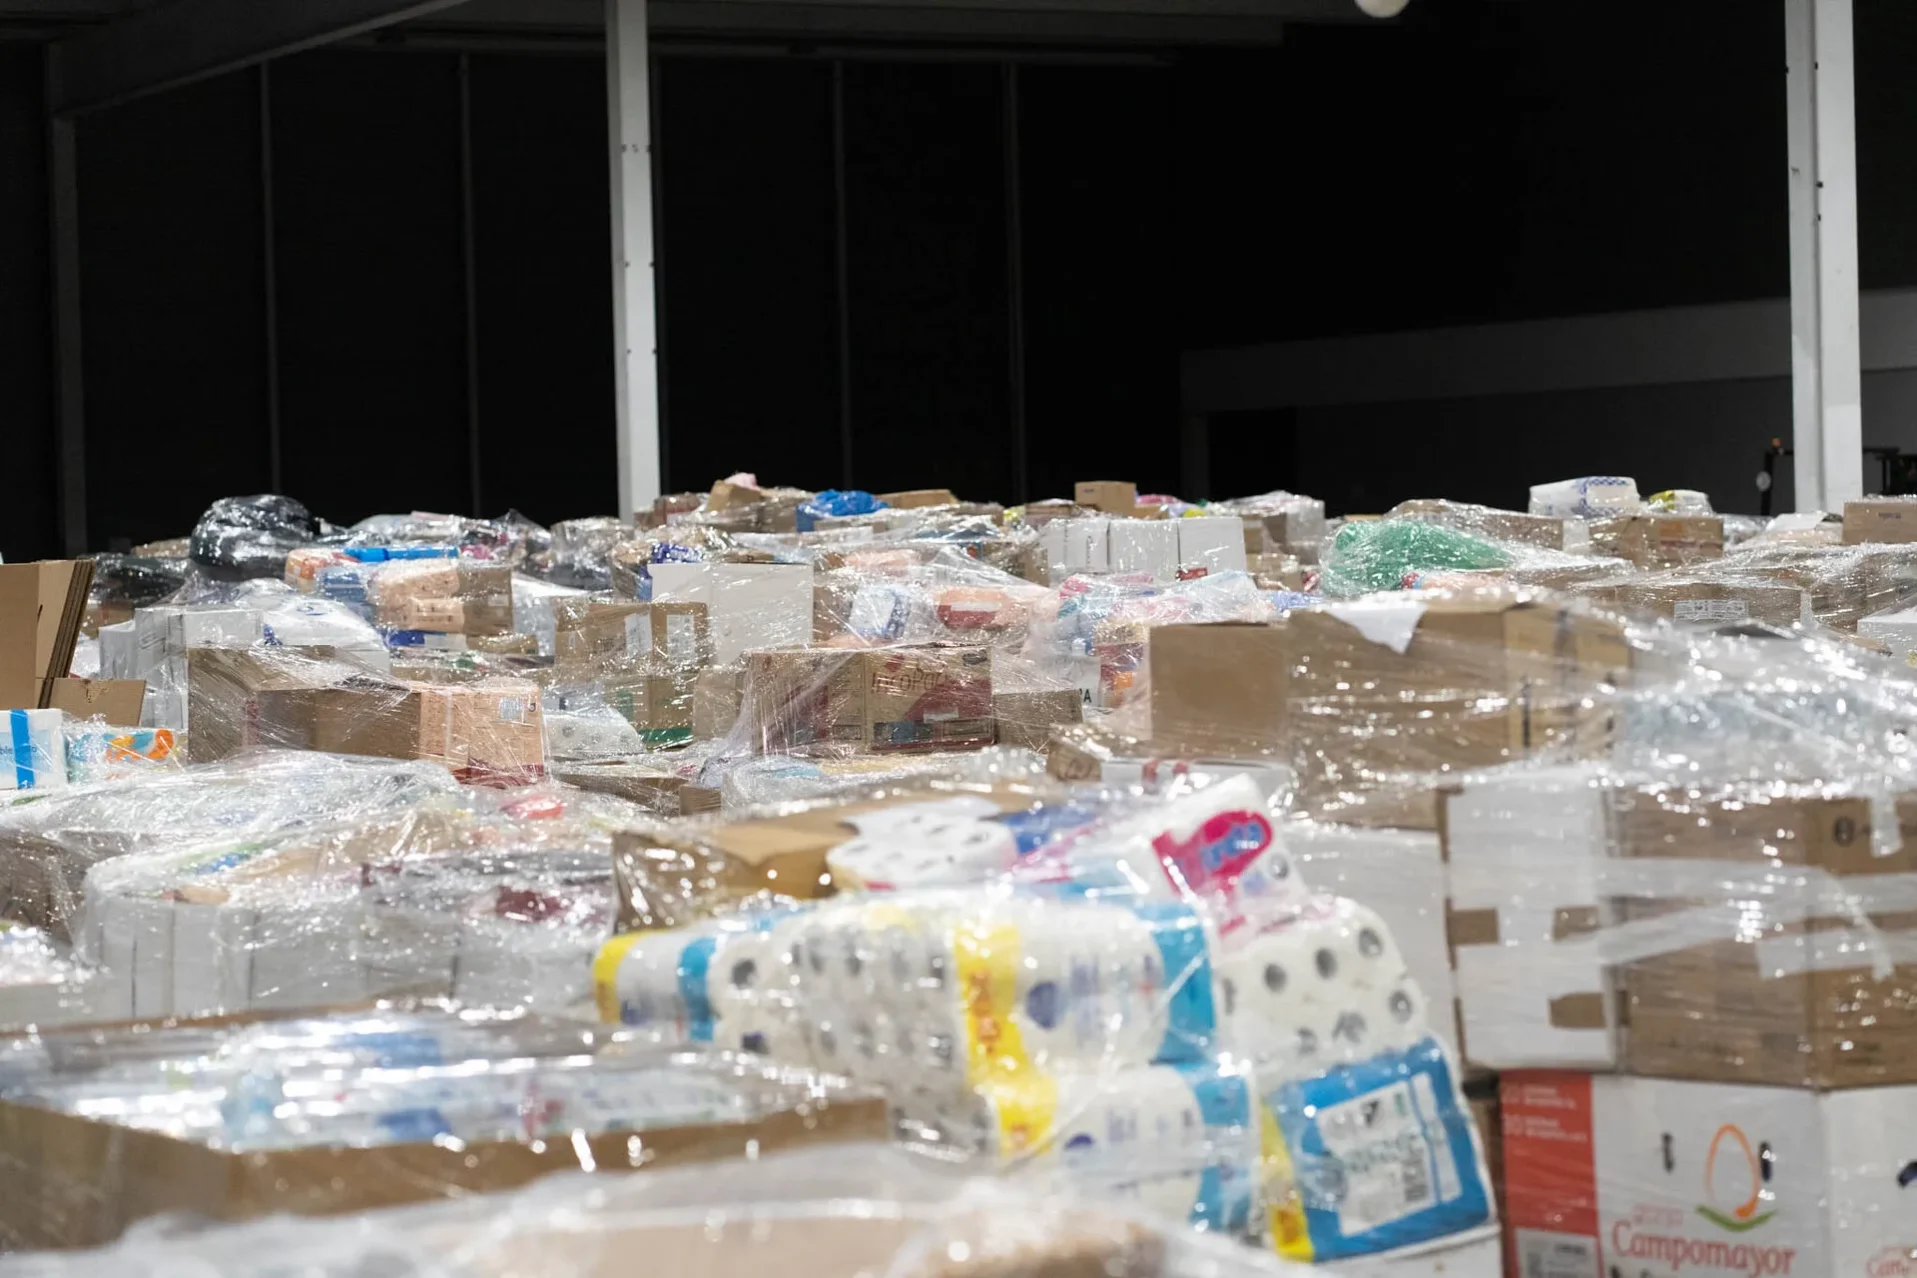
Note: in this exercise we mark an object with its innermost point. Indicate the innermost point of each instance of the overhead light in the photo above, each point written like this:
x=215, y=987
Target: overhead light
x=1383, y=8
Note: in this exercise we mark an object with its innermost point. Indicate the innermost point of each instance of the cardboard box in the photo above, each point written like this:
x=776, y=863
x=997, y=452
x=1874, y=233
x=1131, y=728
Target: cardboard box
x=118, y=701
x=1547, y=532
x=588, y=633
x=1139, y=545
x=1880, y=519
x=1706, y=603
x=1368, y=701
x=1788, y=995
x=1209, y=544
x=1652, y=1177
x=918, y=498
x=641, y=783
x=670, y=877
x=1660, y=541
x=717, y=694
x=78, y=1182
x=902, y=698
x=1897, y=631
x=658, y=703
x=42, y=606
x=1524, y=851
x=1110, y=496
x=1029, y=718
x=1275, y=571
x=747, y=605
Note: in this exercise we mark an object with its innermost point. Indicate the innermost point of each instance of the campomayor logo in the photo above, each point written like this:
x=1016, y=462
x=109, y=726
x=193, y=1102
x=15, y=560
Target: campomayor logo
x=1734, y=1178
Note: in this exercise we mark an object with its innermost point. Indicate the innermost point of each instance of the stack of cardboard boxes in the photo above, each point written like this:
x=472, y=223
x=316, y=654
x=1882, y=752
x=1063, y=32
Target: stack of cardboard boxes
x=1704, y=1011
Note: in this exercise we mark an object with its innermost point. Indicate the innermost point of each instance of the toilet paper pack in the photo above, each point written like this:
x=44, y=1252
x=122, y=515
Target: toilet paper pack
x=1178, y=1140
x=1370, y=1157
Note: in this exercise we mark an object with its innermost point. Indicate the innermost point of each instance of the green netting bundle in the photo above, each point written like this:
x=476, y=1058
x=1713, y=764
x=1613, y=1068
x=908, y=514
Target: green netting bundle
x=1378, y=554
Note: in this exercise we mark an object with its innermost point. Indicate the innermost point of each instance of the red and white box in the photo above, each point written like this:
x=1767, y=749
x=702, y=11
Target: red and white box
x=1654, y=1178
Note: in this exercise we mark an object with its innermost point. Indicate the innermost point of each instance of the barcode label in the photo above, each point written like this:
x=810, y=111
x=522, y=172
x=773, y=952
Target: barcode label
x=1712, y=611
x=1543, y=1254
x=639, y=634
x=1385, y=1152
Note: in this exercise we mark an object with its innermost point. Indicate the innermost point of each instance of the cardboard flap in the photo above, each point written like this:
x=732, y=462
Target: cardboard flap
x=41, y=606
x=1578, y=1012
x=1474, y=927
x=118, y=701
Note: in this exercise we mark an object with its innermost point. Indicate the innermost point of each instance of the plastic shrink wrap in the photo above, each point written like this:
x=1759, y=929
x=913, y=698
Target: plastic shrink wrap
x=356, y=1110
x=826, y=1213
x=1144, y=999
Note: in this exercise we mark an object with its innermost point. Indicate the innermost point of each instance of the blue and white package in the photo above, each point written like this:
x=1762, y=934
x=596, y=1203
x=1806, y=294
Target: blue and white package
x=33, y=750
x=1592, y=497
x=1370, y=1157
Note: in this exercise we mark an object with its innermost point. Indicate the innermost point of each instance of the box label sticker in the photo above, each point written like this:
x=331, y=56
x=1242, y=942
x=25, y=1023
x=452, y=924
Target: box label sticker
x=639, y=634
x=1712, y=611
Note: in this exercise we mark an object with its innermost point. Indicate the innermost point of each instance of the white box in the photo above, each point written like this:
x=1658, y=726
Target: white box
x=1210, y=544
x=33, y=750
x=1086, y=544
x=119, y=651
x=1656, y=1178
x=748, y=605
x=1524, y=851
x=1401, y=875
x=532, y=609
x=1142, y=545
x=167, y=631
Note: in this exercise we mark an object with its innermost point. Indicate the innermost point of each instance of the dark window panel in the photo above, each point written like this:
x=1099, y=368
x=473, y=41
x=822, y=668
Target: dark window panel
x=926, y=224
x=371, y=282
x=29, y=527
x=172, y=307
x=749, y=324
x=541, y=193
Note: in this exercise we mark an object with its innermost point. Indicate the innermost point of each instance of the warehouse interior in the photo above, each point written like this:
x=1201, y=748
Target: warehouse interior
x=893, y=242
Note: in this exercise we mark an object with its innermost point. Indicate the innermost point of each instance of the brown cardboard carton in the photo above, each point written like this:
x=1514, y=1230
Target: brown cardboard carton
x=918, y=498
x=1040, y=513
x=678, y=872
x=1660, y=541
x=486, y=597
x=657, y=702
x=587, y=633
x=118, y=701
x=227, y=706
x=641, y=783
x=1700, y=602
x=716, y=696
x=1112, y=497
x=1221, y=689
x=1880, y=519
x=904, y=698
x=42, y=606
x=1275, y=571
x=1747, y=1008
x=77, y=1182
x=1546, y=532
x=1028, y=719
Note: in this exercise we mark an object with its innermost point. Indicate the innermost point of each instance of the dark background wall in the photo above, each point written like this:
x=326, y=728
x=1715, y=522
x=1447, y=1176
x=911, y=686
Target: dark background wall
x=380, y=280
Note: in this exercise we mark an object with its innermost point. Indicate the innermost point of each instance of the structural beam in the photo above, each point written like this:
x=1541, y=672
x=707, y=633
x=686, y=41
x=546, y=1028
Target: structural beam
x=1826, y=362
x=179, y=41
x=635, y=321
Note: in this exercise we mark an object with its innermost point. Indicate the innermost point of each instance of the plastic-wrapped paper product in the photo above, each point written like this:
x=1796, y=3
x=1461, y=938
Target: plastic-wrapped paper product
x=1279, y=522
x=497, y=900
x=834, y=1212
x=98, y=751
x=48, y=844
x=1595, y=497
x=372, y=1108
x=487, y=730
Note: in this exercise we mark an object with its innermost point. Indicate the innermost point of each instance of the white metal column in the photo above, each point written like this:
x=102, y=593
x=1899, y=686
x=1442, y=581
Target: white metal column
x=635, y=324
x=1827, y=381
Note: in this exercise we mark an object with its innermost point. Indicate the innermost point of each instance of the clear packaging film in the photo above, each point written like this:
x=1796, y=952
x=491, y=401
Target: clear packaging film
x=832, y=1212
x=1455, y=889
